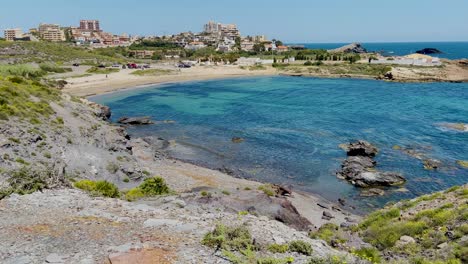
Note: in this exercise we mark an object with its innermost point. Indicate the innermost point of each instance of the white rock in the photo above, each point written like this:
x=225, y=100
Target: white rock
x=55, y=258
x=443, y=245
x=406, y=240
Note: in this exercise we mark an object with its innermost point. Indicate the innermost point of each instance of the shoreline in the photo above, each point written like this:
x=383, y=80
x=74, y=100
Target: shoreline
x=98, y=84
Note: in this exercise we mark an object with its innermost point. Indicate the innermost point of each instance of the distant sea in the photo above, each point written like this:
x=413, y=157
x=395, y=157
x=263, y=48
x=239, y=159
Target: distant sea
x=451, y=50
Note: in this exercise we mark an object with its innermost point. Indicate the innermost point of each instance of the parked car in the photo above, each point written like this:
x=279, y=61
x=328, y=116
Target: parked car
x=146, y=66
x=116, y=66
x=184, y=65
x=76, y=65
x=101, y=66
x=132, y=66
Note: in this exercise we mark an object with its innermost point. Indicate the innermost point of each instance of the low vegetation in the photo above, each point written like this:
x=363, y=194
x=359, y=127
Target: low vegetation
x=238, y=245
x=39, y=52
x=319, y=68
x=436, y=224
x=150, y=187
x=98, y=188
x=23, y=95
x=152, y=72
x=97, y=70
x=53, y=68
x=26, y=181
x=267, y=189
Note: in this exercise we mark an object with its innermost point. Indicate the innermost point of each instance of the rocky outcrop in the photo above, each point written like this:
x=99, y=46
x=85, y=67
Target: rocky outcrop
x=142, y=120
x=104, y=112
x=359, y=167
x=429, y=51
x=351, y=48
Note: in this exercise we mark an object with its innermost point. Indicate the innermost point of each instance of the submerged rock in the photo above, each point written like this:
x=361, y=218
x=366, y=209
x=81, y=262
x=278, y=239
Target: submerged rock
x=372, y=192
x=143, y=120
x=237, y=140
x=463, y=163
x=455, y=126
x=431, y=164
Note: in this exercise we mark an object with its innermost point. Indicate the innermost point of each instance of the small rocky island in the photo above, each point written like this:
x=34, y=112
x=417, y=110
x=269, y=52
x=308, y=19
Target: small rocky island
x=429, y=51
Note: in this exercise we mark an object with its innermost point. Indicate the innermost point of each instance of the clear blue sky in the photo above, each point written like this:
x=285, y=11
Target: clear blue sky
x=288, y=20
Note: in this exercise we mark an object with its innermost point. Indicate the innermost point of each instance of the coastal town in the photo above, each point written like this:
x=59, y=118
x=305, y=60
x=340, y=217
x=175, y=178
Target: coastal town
x=216, y=37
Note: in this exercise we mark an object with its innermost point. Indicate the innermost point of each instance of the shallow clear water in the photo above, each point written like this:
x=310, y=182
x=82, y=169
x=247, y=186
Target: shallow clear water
x=451, y=50
x=293, y=126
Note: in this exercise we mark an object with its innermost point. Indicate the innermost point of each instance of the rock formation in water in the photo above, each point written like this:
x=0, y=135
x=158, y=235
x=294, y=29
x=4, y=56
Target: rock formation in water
x=142, y=120
x=351, y=48
x=359, y=167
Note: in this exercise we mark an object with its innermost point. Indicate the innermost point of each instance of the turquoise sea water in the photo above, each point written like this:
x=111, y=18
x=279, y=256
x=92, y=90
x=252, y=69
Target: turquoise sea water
x=293, y=126
x=451, y=50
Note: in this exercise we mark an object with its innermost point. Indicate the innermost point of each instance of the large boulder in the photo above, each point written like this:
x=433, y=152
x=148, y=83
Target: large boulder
x=142, y=120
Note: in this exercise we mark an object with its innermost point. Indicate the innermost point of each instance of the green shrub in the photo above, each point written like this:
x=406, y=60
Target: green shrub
x=278, y=248
x=370, y=254
x=21, y=161
x=154, y=186
x=134, y=194
x=229, y=238
x=300, y=247
x=15, y=140
x=226, y=192
x=86, y=185
x=275, y=260
x=126, y=179
x=101, y=188
x=326, y=232
x=25, y=181
x=23, y=70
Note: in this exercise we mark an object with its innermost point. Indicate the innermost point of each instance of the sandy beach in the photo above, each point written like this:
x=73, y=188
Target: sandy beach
x=100, y=83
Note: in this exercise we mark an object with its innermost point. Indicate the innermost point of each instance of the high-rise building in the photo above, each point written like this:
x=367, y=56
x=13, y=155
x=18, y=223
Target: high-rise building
x=212, y=27
x=12, y=33
x=229, y=31
x=90, y=25
x=51, y=32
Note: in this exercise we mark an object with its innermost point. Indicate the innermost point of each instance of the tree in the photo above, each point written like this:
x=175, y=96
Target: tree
x=238, y=43
x=278, y=43
x=259, y=47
